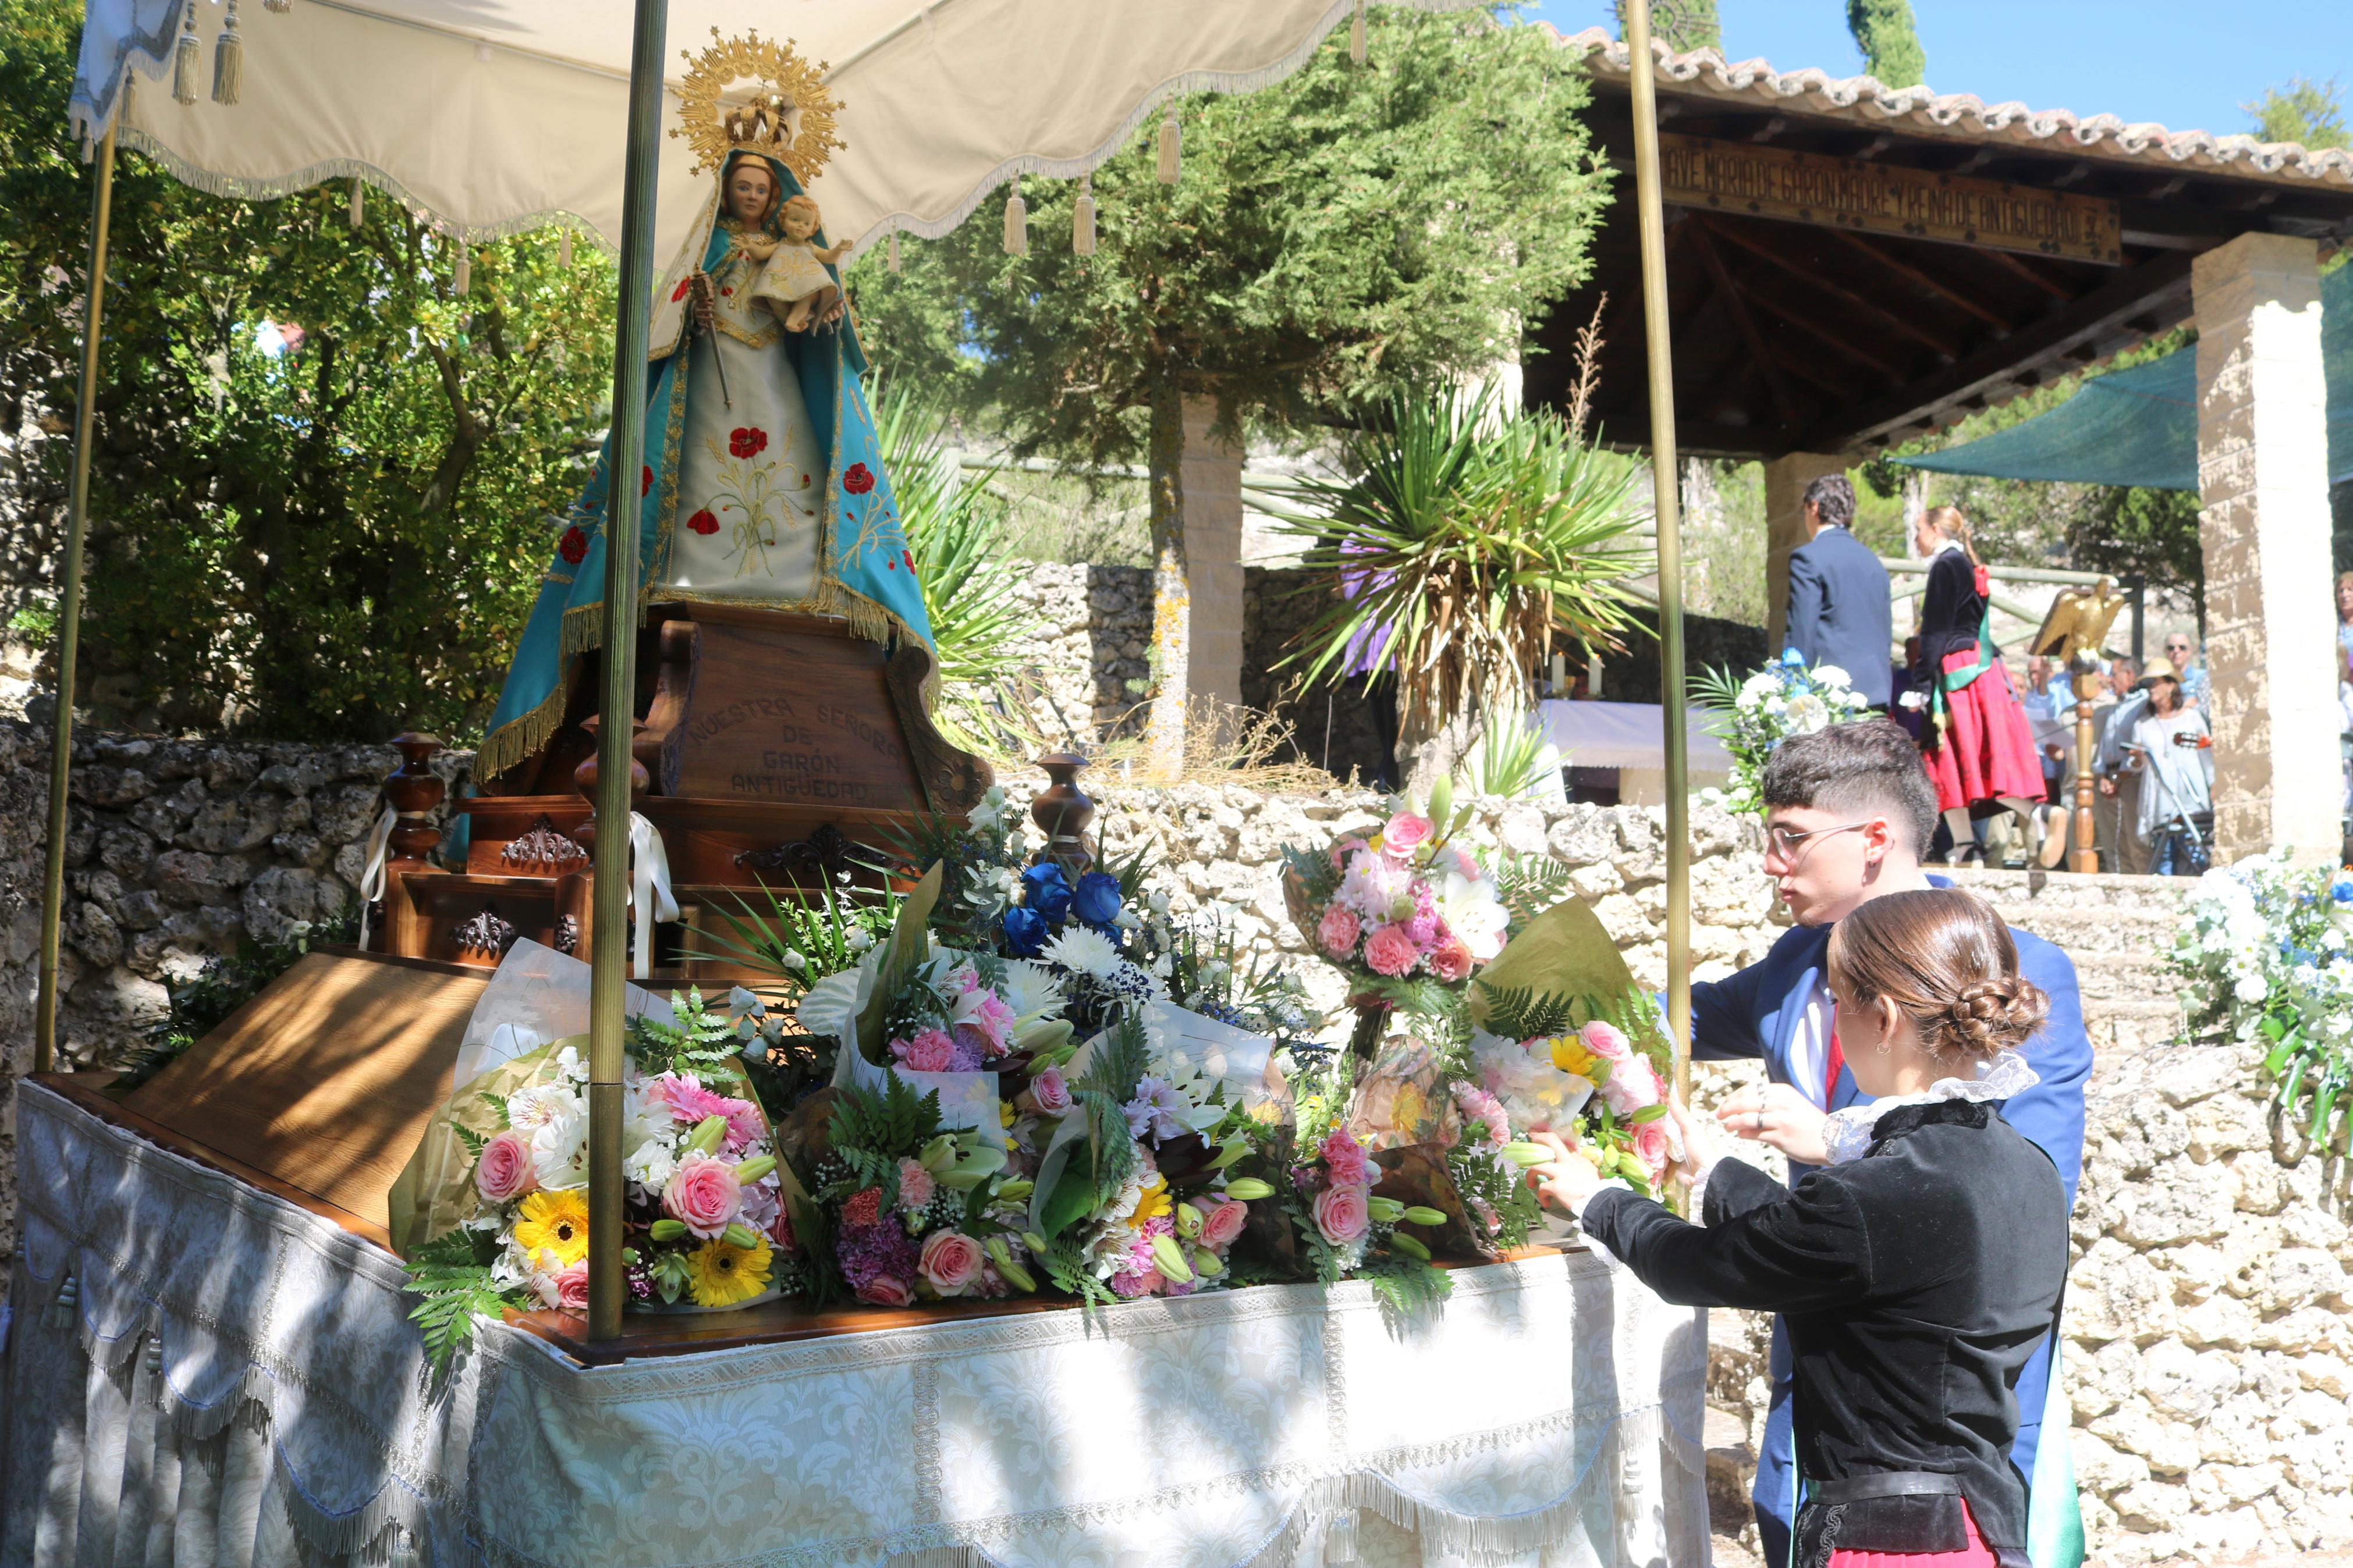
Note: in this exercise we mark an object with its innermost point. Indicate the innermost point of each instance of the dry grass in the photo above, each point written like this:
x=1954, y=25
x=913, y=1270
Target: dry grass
x=1224, y=743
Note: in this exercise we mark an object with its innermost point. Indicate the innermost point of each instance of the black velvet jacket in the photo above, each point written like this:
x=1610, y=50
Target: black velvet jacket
x=1952, y=611
x=1916, y=1282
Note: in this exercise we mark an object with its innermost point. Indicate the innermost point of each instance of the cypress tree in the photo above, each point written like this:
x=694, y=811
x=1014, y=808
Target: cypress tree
x=1891, y=48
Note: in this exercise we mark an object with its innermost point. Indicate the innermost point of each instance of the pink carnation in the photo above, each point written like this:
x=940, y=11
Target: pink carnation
x=1483, y=1107
x=990, y=1020
x=1634, y=1084
x=1344, y=1214
x=1337, y=931
x=1651, y=1147
x=1222, y=1224
x=1605, y=1040
x=932, y=1050
x=1344, y=1157
x=505, y=1171
x=951, y=1261
x=885, y=1290
x=703, y=1195
x=1390, y=951
x=862, y=1207
x=915, y=1185
x=1450, y=960
x=1405, y=834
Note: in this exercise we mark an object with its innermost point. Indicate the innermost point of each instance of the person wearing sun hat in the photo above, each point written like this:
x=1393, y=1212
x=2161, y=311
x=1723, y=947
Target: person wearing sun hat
x=2170, y=746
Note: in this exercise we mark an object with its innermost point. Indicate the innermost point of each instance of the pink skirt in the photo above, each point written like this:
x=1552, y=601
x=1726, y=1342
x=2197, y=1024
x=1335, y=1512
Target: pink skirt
x=1986, y=749
x=1977, y=1554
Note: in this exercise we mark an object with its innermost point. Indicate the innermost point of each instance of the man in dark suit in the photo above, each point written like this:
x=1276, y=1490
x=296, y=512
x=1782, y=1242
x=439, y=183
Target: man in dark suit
x=1848, y=813
x=1840, y=611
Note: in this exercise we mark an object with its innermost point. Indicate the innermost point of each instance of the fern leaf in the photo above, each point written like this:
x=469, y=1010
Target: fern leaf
x=498, y=1103
x=472, y=1139
x=1318, y=877
x=1122, y=1058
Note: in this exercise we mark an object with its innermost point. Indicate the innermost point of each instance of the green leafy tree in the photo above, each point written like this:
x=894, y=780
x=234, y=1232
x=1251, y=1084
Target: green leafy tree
x=2310, y=113
x=335, y=530
x=1889, y=42
x=1355, y=229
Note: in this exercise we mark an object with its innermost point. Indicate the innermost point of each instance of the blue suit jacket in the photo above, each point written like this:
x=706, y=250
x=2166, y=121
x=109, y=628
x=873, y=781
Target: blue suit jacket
x=1838, y=610
x=1755, y=1013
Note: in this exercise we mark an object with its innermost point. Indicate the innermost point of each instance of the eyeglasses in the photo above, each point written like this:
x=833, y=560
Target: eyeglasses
x=1783, y=843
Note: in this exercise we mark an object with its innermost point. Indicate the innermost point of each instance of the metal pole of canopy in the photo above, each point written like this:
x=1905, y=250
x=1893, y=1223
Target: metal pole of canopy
x=1651, y=220
x=609, y=944
x=53, y=880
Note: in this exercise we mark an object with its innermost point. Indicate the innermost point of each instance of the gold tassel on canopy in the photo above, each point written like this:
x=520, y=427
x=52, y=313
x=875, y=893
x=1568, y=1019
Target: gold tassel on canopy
x=1357, y=34
x=187, y=61
x=1172, y=147
x=1082, y=218
x=564, y=251
x=358, y=213
x=229, y=60
x=278, y=7
x=462, y=276
x=1017, y=223
x=893, y=263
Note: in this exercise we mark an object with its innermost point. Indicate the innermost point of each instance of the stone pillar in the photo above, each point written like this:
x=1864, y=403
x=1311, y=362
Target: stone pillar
x=2263, y=481
x=1213, y=478
x=1786, y=479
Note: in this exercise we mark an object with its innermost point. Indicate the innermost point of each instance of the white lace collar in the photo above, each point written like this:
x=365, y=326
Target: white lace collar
x=1942, y=545
x=1847, y=1134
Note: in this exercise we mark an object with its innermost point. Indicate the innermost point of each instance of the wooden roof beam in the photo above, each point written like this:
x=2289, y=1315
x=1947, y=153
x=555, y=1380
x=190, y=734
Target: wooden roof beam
x=1879, y=255
x=1894, y=323
x=1703, y=240
x=2035, y=276
x=2158, y=288
x=1842, y=345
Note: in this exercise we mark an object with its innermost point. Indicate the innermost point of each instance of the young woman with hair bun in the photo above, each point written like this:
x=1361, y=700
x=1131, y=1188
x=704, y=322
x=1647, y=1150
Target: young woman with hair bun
x=1917, y=1271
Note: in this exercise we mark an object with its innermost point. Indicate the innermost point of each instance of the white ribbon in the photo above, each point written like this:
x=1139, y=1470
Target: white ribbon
x=371, y=875
x=650, y=891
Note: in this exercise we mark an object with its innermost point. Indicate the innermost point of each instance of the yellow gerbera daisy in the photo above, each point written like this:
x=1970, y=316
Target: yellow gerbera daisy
x=556, y=1222
x=1569, y=1055
x=725, y=1274
x=1152, y=1205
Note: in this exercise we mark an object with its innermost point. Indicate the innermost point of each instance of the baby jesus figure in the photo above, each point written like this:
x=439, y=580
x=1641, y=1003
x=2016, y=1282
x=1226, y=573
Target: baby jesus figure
x=792, y=284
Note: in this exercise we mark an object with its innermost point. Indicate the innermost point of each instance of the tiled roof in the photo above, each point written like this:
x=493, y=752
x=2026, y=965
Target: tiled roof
x=1864, y=101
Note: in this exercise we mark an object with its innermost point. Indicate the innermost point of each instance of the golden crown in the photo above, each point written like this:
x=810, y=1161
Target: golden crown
x=787, y=115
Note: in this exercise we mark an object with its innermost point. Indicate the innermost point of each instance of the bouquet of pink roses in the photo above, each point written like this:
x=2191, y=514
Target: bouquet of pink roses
x=1407, y=913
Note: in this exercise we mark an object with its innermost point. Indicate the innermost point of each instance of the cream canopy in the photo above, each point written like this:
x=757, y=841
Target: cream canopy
x=497, y=116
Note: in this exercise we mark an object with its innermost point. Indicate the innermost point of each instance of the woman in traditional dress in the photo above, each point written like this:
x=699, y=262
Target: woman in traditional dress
x=762, y=482
x=1917, y=1271
x=1979, y=746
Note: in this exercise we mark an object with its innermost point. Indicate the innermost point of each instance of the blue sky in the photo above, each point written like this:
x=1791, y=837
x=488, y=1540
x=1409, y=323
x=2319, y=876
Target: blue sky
x=2186, y=64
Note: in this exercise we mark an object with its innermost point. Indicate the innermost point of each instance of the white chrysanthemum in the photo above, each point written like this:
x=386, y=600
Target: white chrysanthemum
x=1031, y=990
x=1085, y=951
x=650, y=1165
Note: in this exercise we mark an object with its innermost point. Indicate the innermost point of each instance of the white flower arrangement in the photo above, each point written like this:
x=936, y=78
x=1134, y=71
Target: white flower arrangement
x=1753, y=716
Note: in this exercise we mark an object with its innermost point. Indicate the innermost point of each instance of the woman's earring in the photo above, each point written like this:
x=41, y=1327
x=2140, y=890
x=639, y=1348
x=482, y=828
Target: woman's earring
x=1882, y=1047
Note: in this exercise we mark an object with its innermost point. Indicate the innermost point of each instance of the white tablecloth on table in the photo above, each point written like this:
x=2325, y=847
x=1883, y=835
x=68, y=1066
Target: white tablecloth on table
x=1627, y=735
x=232, y=1379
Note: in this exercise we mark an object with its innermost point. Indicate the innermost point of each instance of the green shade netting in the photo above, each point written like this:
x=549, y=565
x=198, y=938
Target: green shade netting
x=2139, y=426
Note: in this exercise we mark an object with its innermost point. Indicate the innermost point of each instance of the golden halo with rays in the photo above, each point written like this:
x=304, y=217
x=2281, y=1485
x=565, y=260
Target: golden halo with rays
x=788, y=114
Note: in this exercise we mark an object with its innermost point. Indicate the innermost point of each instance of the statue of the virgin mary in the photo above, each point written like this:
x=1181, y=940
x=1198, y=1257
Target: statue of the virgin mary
x=762, y=482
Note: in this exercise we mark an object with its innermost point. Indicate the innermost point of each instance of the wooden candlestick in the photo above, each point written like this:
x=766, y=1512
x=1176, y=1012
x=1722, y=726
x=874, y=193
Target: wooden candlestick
x=412, y=790
x=1063, y=813
x=2085, y=853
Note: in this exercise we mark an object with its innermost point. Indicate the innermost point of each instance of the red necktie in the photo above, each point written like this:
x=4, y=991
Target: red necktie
x=1836, y=1063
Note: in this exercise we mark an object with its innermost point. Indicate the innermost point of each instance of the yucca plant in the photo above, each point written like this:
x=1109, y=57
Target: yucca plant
x=1513, y=759
x=956, y=532
x=1471, y=536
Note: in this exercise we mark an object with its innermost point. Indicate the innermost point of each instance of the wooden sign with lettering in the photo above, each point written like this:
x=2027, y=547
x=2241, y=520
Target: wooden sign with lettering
x=1884, y=198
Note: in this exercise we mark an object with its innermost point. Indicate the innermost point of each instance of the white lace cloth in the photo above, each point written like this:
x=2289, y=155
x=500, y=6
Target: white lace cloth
x=1846, y=1134
x=230, y=1378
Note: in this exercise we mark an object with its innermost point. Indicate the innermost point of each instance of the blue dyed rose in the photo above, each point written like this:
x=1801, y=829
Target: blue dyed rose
x=1045, y=889
x=1025, y=932
x=1792, y=659
x=1097, y=900
x=2342, y=890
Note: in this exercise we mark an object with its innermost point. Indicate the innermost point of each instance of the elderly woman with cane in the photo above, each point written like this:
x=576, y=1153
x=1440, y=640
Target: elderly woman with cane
x=1917, y=1271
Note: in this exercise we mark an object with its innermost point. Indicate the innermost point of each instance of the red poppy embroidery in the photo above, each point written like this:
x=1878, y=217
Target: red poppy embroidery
x=704, y=523
x=679, y=292
x=857, y=479
x=730, y=293
x=908, y=556
x=572, y=546
x=645, y=479
x=747, y=441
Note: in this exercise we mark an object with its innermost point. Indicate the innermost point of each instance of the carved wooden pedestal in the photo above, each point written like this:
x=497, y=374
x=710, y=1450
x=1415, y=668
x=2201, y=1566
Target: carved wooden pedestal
x=776, y=745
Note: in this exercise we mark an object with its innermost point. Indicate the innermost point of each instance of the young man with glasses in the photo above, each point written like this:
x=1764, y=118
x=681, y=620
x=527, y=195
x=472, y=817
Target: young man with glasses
x=1848, y=813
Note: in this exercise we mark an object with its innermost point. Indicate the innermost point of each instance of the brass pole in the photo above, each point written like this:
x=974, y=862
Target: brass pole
x=1651, y=220
x=2083, y=855
x=53, y=880
x=608, y=941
